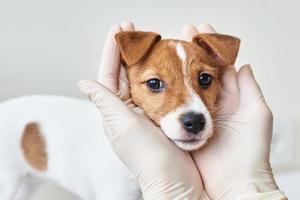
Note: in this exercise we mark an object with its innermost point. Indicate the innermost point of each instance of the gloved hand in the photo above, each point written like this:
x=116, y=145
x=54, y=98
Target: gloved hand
x=235, y=164
x=162, y=170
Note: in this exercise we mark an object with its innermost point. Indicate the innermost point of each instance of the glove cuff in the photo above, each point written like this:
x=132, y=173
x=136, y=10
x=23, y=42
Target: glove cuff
x=273, y=195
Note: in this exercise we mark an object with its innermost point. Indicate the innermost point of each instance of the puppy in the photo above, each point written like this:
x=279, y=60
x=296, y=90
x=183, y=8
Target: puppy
x=61, y=139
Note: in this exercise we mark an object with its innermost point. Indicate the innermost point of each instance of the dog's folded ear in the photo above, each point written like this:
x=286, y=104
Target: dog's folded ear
x=134, y=45
x=223, y=48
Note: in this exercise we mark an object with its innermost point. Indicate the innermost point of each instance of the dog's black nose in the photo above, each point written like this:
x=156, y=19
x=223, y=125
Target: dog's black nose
x=193, y=122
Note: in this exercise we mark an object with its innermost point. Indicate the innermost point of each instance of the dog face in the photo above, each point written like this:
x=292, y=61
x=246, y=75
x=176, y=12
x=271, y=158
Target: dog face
x=176, y=83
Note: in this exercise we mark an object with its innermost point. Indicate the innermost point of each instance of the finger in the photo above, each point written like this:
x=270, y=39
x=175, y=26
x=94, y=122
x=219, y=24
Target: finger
x=127, y=26
x=229, y=80
x=206, y=28
x=109, y=105
x=123, y=81
x=189, y=31
x=229, y=94
x=123, y=85
x=249, y=89
x=110, y=61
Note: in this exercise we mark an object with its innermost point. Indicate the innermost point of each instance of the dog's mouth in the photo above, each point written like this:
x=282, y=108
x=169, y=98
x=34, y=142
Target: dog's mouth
x=189, y=141
x=189, y=144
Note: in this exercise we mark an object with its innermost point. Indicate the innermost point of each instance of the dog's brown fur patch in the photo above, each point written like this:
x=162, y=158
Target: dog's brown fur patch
x=34, y=147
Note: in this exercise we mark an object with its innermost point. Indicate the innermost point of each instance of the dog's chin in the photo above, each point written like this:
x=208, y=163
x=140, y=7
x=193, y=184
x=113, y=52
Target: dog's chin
x=190, y=145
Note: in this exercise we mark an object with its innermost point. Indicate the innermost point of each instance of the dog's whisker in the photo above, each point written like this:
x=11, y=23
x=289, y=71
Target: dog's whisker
x=227, y=126
x=227, y=113
x=229, y=120
x=226, y=129
x=229, y=117
x=220, y=129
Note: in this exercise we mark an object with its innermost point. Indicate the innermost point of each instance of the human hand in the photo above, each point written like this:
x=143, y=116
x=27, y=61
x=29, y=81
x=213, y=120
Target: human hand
x=111, y=73
x=235, y=163
x=162, y=170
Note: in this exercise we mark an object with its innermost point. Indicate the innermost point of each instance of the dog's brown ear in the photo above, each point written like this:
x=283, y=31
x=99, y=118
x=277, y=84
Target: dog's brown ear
x=223, y=48
x=134, y=45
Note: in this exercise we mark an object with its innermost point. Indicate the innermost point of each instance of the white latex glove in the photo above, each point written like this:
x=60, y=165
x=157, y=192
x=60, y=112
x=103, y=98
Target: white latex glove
x=162, y=170
x=235, y=164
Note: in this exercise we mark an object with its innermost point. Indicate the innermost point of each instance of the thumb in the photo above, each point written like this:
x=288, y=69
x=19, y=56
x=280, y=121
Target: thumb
x=250, y=91
x=126, y=135
x=110, y=106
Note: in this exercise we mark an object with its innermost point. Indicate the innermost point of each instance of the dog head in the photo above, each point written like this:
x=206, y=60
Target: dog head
x=176, y=82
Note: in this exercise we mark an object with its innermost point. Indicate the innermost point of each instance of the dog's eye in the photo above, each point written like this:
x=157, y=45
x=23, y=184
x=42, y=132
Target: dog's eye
x=155, y=85
x=205, y=80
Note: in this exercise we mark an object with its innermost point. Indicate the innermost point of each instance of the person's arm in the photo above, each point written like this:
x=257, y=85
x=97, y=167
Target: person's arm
x=235, y=164
x=162, y=170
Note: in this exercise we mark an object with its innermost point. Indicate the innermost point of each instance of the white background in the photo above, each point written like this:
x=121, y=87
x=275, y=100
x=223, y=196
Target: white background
x=46, y=46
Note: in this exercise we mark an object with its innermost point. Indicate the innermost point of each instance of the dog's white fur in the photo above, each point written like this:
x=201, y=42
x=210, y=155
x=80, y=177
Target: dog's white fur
x=171, y=126
x=80, y=157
